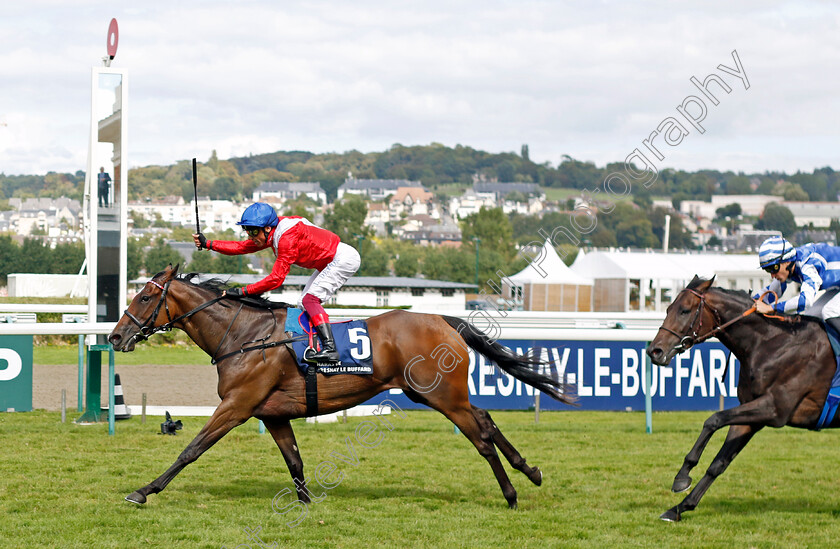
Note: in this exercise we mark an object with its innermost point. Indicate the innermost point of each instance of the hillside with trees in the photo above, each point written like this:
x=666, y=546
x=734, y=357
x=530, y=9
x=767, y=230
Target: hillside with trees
x=489, y=238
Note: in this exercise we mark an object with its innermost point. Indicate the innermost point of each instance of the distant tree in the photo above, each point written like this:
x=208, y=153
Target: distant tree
x=738, y=184
x=765, y=185
x=374, y=262
x=776, y=217
x=34, y=256
x=347, y=219
x=302, y=206
x=159, y=223
x=790, y=191
x=525, y=227
x=815, y=185
x=452, y=264
x=159, y=256
x=505, y=171
x=732, y=210
x=408, y=263
x=213, y=161
x=225, y=188
x=678, y=237
x=67, y=258
x=602, y=237
x=201, y=262
x=9, y=258
x=231, y=264
x=135, y=257
x=834, y=226
x=138, y=220
x=493, y=227
x=636, y=233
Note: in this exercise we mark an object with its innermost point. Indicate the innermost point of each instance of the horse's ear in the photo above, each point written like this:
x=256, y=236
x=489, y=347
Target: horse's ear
x=171, y=271
x=705, y=284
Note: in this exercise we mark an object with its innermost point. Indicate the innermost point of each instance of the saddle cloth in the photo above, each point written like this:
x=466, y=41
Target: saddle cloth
x=833, y=400
x=351, y=341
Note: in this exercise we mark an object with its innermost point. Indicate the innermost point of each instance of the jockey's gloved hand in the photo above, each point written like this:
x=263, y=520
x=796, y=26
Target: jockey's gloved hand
x=202, y=241
x=236, y=293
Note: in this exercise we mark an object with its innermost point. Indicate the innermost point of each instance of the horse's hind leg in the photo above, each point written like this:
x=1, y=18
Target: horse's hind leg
x=511, y=454
x=463, y=417
x=737, y=437
x=226, y=417
x=281, y=431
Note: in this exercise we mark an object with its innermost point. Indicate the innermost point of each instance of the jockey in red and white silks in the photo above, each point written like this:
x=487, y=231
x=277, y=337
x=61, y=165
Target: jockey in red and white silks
x=295, y=241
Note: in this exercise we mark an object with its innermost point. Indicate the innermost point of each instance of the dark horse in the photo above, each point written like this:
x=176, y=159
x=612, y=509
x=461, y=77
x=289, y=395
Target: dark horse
x=424, y=355
x=786, y=368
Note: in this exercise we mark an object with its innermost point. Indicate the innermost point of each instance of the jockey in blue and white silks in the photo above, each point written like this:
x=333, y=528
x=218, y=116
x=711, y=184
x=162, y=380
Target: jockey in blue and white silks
x=814, y=266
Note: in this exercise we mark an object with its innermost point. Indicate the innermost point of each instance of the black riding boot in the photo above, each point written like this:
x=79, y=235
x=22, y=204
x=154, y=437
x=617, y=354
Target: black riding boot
x=328, y=352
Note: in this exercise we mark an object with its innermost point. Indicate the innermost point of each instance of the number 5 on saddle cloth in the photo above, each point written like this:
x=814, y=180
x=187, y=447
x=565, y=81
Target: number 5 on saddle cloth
x=351, y=340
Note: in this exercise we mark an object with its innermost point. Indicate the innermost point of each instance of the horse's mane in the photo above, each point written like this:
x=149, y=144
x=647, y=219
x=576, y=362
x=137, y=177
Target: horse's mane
x=790, y=323
x=217, y=286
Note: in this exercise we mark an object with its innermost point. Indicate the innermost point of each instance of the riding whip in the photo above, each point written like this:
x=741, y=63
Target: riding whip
x=195, y=189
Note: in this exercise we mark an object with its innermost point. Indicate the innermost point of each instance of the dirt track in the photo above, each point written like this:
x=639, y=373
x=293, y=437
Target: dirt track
x=164, y=385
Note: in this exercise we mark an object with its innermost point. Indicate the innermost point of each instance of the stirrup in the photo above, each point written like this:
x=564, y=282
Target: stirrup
x=325, y=359
x=309, y=357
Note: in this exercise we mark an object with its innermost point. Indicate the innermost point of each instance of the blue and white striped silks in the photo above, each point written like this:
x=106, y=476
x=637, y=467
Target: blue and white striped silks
x=817, y=267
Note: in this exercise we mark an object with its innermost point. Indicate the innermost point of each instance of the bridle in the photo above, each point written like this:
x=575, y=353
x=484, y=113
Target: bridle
x=148, y=328
x=690, y=338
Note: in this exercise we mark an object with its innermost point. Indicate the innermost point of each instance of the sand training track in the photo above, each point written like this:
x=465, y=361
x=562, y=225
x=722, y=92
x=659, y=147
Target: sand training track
x=164, y=385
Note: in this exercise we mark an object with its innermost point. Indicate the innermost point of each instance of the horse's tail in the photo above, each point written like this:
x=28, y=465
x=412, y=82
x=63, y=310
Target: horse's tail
x=520, y=367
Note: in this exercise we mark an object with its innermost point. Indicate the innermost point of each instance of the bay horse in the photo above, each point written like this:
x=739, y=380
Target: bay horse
x=264, y=381
x=787, y=365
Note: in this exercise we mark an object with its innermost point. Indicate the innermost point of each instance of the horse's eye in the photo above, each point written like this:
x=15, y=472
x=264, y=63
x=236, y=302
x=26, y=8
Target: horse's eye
x=684, y=311
x=145, y=298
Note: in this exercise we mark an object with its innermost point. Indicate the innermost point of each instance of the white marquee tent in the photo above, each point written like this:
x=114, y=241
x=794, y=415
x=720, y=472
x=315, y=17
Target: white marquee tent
x=648, y=281
x=547, y=284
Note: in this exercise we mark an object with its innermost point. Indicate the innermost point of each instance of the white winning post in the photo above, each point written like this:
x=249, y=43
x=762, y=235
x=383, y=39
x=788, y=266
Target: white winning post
x=106, y=214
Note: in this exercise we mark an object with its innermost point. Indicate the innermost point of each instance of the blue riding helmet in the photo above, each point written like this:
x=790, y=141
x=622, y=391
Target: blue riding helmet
x=259, y=214
x=775, y=250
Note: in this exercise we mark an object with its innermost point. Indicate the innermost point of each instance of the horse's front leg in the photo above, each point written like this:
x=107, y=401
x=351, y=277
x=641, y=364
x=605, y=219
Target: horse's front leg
x=761, y=411
x=228, y=415
x=284, y=436
x=736, y=439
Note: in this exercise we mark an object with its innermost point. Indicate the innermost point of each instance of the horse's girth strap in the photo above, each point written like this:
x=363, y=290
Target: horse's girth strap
x=311, y=391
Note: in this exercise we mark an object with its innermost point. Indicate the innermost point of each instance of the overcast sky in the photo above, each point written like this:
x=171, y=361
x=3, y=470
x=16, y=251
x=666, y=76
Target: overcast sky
x=586, y=79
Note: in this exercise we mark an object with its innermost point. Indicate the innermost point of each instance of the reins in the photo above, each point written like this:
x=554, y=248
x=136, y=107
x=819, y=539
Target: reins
x=148, y=329
x=689, y=340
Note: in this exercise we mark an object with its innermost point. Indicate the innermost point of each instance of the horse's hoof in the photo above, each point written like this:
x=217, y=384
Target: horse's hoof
x=136, y=497
x=513, y=504
x=536, y=476
x=681, y=484
x=671, y=515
